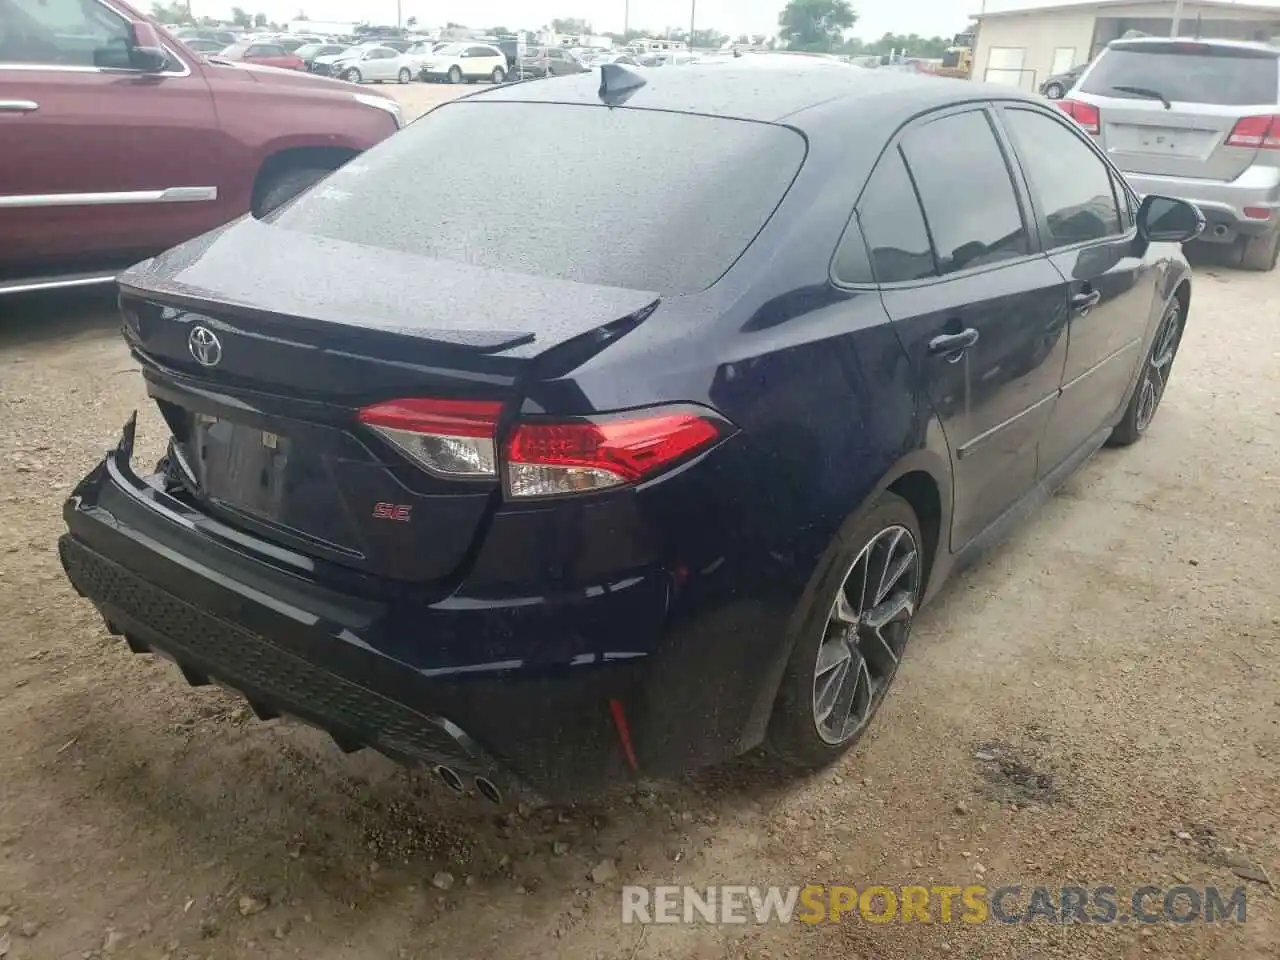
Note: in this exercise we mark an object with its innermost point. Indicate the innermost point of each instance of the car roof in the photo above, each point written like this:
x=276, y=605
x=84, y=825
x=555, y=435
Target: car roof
x=1133, y=43
x=805, y=92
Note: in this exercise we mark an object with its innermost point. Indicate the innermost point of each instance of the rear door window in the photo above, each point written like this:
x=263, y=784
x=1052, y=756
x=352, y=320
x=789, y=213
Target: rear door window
x=893, y=228
x=970, y=205
x=1187, y=71
x=643, y=199
x=1071, y=185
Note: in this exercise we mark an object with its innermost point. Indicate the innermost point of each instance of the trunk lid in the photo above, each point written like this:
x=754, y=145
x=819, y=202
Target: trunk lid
x=1207, y=87
x=260, y=346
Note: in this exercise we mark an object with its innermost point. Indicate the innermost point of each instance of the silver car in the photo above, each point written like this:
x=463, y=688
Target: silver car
x=1198, y=120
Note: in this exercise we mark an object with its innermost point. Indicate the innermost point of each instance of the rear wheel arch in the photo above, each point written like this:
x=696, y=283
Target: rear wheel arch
x=292, y=160
x=920, y=489
x=922, y=478
x=1183, y=295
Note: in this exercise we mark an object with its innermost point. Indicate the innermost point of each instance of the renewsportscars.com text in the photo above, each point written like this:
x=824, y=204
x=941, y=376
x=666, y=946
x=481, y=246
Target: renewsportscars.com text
x=935, y=904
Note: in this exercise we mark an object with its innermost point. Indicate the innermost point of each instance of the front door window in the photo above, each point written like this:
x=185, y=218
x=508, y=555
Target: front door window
x=73, y=33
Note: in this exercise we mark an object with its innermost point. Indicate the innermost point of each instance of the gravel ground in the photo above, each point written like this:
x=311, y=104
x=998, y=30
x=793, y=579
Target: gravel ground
x=1095, y=703
x=418, y=98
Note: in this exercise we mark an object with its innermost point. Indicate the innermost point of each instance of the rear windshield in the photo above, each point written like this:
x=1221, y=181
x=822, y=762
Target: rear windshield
x=1189, y=74
x=647, y=200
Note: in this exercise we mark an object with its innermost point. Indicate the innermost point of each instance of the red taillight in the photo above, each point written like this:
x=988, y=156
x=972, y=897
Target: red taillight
x=1085, y=114
x=456, y=438
x=553, y=459
x=1259, y=133
x=452, y=438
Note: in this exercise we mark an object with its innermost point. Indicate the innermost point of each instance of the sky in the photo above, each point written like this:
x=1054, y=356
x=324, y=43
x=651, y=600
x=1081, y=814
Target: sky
x=875, y=17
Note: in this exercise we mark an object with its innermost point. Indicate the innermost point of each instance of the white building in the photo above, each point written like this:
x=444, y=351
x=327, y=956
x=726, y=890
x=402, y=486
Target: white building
x=1022, y=43
x=322, y=28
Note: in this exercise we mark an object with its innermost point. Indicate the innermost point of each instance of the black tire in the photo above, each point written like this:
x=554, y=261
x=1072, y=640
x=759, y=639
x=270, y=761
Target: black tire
x=1260, y=253
x=352, y=75
x=1142, y=408
x=282, y=187
x=499, y=75
x=1054, y=91
x=794, y=735
x=405, y=75
x=455, y=74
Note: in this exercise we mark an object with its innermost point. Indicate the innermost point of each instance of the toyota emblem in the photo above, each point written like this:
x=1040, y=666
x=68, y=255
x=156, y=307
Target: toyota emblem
x=205, y=346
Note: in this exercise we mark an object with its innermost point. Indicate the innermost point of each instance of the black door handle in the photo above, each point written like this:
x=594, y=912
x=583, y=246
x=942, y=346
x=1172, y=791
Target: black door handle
x=951, y=345
x=1084, y=302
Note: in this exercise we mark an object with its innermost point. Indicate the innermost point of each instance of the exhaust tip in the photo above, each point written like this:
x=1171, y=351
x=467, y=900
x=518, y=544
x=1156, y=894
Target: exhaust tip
x=450, y=777
x=1220, y=230
x=489, y=790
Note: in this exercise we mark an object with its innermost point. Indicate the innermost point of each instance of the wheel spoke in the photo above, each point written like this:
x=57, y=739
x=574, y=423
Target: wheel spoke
x=882, y=587
x=883, y=643
x=900, y=606
x=828, y=693
x=862, y=681
x=842, y=611
x=893, y=575
x=833, y=655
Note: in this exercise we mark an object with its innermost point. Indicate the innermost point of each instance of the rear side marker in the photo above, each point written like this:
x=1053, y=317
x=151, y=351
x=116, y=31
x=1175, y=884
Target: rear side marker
x=624, y=733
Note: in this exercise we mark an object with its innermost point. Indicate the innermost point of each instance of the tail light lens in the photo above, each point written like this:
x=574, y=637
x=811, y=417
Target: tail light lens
x=455, y=438
x=554, y=459
x=1085, y=114
x=1259, y=133
x=450, y=438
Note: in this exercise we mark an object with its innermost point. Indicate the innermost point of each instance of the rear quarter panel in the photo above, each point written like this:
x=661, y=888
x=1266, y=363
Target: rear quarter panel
x=827, y=413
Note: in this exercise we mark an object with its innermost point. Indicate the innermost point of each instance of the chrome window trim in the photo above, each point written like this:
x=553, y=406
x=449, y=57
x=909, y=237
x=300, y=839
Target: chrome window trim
x=54, y=283
x=114, y=71
x=168, y=195
x=64, y=68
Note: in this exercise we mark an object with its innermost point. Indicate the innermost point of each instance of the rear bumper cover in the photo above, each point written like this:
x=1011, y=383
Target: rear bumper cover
x=177, y=583
x=1223, y=202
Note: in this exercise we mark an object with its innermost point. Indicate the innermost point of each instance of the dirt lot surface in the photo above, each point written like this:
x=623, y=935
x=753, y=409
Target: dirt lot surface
x=418, y=98
x=1096, y=703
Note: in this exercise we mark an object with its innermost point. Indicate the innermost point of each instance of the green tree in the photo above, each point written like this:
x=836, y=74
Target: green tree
x=815, y=24
x=411, y=22
x=709, y=39
x=909, y=44
x=259, y=20
x=573, y=26
x=240, y=17
x=174, y=11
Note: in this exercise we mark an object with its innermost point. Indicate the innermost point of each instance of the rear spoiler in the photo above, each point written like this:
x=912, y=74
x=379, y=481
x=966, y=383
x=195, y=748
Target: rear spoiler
x=1204, y=47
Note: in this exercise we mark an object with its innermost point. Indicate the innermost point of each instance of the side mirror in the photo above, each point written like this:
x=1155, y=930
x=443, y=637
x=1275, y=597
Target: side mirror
x=1166, y=220
x=146, y=51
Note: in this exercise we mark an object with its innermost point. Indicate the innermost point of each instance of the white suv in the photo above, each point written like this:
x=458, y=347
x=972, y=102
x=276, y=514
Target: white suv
x=1198, y=120
x=465, y=61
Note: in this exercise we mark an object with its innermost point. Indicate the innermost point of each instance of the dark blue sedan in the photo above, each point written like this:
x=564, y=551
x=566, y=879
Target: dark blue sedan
x=645, y=451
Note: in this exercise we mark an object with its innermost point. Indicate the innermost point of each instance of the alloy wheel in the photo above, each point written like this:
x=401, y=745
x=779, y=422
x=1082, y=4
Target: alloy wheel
x=1155, y=376
x=865, y=634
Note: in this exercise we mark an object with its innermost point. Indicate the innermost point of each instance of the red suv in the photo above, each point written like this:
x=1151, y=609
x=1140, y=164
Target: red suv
x=262, y=53
x=118, y=142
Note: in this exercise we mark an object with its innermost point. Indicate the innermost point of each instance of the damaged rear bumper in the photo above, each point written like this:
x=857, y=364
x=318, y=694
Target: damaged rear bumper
x=232, y=609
